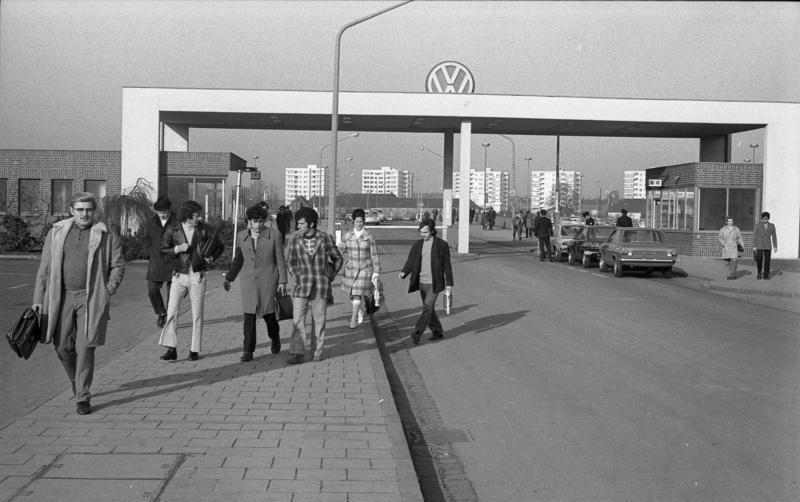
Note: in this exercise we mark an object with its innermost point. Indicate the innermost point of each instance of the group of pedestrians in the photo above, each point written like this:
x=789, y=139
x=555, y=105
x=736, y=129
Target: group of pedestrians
x=765, y=241
x=82, y=266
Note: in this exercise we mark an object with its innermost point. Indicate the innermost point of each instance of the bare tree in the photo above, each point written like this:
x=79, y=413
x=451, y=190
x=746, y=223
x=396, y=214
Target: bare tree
x=129, y=210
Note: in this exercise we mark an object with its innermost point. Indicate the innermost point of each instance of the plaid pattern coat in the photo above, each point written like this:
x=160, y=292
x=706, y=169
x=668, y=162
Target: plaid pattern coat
x=312, y=269
x=360, y=262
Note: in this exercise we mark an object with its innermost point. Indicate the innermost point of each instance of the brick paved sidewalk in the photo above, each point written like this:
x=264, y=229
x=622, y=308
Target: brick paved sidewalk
x=217, y=429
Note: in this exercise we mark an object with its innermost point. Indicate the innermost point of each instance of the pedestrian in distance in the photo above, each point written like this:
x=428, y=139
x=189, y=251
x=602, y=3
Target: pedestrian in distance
x=260, y=266
x=159, y=267
x=543, y=228
x=730, y=238
x=362, y=266
x=431, y=273
x=587, y=218
x=530, y=217
x=312, y=260
x=765, y=241
x=491, y=218
x=518, y=224
x=624, y=220
x=82, y=266
x=191, y=246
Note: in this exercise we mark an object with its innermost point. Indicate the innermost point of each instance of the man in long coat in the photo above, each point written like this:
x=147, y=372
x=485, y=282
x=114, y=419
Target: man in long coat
x=261, y=267
x=159, y=267
x=82, y=266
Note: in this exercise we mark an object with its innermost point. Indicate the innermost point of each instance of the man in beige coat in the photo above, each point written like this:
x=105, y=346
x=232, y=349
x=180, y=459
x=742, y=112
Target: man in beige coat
x=82, y=266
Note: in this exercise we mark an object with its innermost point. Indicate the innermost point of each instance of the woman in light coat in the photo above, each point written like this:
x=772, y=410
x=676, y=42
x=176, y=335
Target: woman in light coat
x=260, y=265
x=730, y=238
x=361, y=265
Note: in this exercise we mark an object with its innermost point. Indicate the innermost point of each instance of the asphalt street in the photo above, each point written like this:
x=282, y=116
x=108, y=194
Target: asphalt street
x=573, y=385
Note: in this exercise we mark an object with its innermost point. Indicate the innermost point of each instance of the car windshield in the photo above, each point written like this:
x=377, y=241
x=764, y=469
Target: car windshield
x=570, y=230
x=600, y=233
x=642, y=236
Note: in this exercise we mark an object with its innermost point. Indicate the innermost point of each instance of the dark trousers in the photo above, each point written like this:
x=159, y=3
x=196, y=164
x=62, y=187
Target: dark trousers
x=249, y=330
x=544, y=248
x=763, y=257
x=428, y=317
x=154, y=293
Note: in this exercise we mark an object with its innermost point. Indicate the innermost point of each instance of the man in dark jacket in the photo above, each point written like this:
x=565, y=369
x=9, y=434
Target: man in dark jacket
x=429, y=265
x=543, y=229
x=191, y=246
x=159, y=268
x=624, y=220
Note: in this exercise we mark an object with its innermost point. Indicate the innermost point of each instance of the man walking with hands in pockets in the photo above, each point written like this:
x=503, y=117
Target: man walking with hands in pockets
x=81, y=267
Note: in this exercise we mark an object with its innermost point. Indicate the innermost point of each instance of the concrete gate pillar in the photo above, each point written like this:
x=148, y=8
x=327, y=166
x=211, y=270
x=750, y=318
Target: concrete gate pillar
x=174, y=137
x=463, y=190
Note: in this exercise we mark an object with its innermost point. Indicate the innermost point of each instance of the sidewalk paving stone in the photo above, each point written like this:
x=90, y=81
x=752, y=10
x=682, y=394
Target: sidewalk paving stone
x=261, y=430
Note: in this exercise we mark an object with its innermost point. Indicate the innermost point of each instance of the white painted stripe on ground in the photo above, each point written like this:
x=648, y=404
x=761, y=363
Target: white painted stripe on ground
x=12, y=273
x=600, y=275
x=19, y=286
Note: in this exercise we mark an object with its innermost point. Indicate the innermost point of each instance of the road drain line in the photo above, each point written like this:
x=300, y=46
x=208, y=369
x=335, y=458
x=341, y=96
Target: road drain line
x=439, y=471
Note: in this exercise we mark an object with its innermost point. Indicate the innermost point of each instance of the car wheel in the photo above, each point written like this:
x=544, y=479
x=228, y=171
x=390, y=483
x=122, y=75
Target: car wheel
x=617, y=269
x=604, y=266
x=586, y=261
x=667, y=272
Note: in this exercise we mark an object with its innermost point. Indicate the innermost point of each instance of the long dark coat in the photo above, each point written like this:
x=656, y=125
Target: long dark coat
x=159, y=268
x=440, y=265
x=259, y=271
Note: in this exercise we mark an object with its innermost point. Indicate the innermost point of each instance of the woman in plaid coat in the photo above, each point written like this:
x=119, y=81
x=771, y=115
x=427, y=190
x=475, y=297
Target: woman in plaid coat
x=361, y=265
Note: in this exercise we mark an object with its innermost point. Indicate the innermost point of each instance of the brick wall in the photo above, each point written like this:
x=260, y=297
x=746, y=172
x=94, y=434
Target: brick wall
x=49, y=165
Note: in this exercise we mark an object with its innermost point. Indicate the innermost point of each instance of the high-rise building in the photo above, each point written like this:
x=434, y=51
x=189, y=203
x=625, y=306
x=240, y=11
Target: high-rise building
x=543, y=189
x=634, y=185
x=387, y=180
x=486, y=188
x=305, y=182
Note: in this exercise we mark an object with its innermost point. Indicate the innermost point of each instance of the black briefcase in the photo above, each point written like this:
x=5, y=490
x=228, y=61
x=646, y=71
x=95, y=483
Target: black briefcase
x=283, y=307
x=26, y=334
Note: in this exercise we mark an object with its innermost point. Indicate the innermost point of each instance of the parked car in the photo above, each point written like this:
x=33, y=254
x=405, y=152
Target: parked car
x=563, y=234
x=585, y=247
x=380, y=213
x=372, y=218
x=645, y=249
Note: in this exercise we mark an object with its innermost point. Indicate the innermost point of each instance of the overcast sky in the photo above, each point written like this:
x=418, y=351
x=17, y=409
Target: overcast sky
x=63, y=64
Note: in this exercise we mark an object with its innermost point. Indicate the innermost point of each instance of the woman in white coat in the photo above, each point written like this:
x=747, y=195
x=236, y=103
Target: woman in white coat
x=730, y=238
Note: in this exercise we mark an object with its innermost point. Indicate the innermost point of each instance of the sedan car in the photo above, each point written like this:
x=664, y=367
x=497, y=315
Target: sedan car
x=372, y=218
x=563, y=234
x=585, y=247
x=645, y=249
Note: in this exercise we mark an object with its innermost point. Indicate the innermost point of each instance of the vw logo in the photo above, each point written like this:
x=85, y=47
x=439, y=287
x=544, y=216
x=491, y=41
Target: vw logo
x=450, y=78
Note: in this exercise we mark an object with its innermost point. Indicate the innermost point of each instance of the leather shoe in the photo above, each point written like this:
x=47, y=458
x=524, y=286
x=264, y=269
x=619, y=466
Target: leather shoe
x=437, y=336
x=275, y=347
x=295, y=359
x=162, y=318
x=84, y=408
x=246, y=356
x=170, y=355
x=194, y=356
x=415, y=337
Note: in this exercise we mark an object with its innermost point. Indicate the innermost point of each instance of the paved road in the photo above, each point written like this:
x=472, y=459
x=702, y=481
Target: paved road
x=27, y=384
x=570, y=384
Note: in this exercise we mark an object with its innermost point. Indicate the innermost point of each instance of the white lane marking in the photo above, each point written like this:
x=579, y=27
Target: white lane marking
x=600, y=275
x=12, y=273
x=19, y=286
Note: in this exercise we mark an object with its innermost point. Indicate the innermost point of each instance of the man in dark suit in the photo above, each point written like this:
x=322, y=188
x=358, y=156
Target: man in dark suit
x=159, y=268
x=429, y=265
x=765, y=240
x=624, y=220
x=543, y=230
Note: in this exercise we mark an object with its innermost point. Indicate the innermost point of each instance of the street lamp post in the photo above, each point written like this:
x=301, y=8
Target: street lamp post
x=754, y=146
x=431, y=152
x=599, y=195
x=332, y=172
x=485, y=174
x=513, y=170
x=335, y=108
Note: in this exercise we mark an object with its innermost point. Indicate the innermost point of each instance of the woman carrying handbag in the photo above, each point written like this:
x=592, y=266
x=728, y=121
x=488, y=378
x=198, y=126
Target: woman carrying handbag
x=361, y=266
